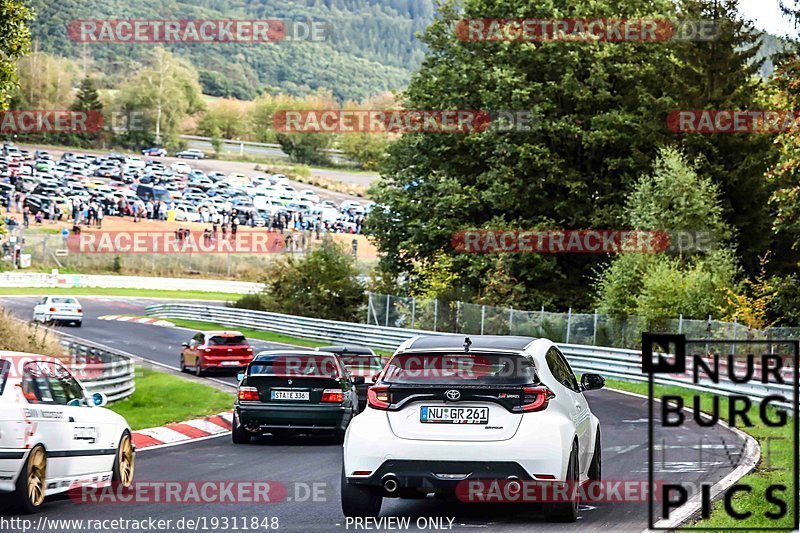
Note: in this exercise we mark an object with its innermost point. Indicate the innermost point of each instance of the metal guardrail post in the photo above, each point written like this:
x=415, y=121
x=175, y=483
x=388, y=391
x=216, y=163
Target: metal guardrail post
x=569, y=324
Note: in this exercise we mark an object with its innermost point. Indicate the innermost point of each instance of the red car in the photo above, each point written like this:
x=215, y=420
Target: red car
x=220, y=350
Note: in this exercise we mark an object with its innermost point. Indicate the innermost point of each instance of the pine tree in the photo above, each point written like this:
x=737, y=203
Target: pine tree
x=87, y=98
x=722, y=73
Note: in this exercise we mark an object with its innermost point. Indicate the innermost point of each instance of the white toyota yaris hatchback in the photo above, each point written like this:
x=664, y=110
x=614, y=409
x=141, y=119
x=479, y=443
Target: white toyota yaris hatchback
x=450, y=409
x=54, y=435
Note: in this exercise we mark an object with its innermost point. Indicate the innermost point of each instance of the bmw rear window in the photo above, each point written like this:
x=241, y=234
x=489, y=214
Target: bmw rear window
x=460, y=368
x=300, y=365
x=63, y=300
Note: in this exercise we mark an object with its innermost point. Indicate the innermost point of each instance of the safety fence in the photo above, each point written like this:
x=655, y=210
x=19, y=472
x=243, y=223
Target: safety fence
x=595, y=329
x=100, y=368
x=617, y=363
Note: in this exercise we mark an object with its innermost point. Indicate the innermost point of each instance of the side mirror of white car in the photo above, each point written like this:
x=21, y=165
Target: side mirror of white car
x=98, y=399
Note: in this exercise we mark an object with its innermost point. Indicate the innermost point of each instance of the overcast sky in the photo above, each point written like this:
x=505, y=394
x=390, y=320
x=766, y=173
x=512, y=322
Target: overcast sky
x=766, y=15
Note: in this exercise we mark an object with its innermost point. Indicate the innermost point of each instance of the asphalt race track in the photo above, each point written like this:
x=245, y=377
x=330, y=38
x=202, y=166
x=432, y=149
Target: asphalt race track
x=302, y=464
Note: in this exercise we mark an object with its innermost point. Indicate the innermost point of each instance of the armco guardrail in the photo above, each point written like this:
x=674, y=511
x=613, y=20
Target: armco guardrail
x=23, y=279
x=101, y=369
x=614, y=363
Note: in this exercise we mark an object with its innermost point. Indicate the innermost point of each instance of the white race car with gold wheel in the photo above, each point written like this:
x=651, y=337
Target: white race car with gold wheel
x=54, y=435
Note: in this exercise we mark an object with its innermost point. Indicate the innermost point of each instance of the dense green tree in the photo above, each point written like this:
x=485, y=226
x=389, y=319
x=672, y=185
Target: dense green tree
x=87, y=99
x=600, y=113
x=45, y=82
x=722, y=73
x=161, y=95
x=692, y=280
x=598, y=109
x=323, y=284
x=15, y=39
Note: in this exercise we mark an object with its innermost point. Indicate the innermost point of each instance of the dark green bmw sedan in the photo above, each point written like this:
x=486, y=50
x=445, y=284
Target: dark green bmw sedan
x=286, y=392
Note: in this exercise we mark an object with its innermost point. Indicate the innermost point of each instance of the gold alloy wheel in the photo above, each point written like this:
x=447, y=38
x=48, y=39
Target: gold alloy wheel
x=37, y=469
x=126, y=461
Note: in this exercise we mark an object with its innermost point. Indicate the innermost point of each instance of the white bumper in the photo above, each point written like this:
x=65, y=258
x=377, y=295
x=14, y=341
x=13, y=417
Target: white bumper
x=539, y=446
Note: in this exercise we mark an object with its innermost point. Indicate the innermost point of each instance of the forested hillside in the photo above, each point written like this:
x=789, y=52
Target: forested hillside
x=372, y=49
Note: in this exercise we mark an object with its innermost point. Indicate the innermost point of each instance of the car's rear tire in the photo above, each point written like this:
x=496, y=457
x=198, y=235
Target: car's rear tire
x=360, y=500
x=78, y=323
x=567, y=511
x=183, y=364
x=198, y=369
x=122, y=471
x=596, y=467
x=31, y=485
x=239, y=435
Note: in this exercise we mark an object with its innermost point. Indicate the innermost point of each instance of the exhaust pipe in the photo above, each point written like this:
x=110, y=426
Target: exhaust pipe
x=390, y=483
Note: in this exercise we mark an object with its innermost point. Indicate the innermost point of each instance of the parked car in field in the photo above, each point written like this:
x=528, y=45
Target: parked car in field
x=180, y=167
x=55, y=435
x=187, y=213
x=218, y=350
x=285, y=392
x=55, y=309
x=190, y=153
x=154, y=152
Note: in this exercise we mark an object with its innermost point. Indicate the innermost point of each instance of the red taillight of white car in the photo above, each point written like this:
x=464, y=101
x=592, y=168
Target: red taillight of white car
x=378, y=397
x=536, y=398
x=332, y=396
x=248, y=394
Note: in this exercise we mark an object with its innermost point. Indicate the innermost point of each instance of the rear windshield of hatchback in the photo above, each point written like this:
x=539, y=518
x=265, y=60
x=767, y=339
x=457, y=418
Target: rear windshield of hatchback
x=460, y=369
x=232, y=340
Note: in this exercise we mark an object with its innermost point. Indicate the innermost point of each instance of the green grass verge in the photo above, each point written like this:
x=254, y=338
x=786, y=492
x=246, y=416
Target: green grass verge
x=162, y=398
x=775, y=467
x=89, y=291
x=269, y=336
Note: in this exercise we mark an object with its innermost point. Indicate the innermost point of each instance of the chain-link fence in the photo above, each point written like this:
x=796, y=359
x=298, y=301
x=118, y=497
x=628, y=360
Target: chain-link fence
x=592, y=329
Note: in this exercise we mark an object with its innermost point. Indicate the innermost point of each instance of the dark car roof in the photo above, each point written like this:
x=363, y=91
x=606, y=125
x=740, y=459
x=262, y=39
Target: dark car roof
x=350, y=350
x=479, y=342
